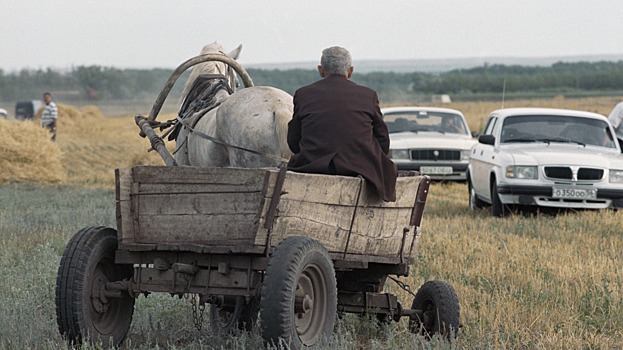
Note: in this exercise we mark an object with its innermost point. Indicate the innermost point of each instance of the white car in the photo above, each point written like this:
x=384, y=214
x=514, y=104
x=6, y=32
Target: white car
x=433, y=141
x=545, y=157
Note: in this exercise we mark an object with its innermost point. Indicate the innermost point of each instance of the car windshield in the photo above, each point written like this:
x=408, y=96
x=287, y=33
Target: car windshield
x=416, y=121
x=556, y=128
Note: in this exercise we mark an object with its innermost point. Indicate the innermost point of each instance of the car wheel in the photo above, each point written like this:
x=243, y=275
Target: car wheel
x=498, y=209
x=475, y=203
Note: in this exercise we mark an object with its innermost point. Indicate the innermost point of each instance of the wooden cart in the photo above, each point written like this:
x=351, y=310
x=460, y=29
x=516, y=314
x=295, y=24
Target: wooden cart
x=294, y=248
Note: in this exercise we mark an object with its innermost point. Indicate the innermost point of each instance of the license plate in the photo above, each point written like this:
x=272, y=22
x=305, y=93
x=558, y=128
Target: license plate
x=574, y=193
x=436, y=170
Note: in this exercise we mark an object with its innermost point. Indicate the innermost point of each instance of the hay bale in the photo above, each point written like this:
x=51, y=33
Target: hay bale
x=28, y=155
x=70, y=115
x=91, y=112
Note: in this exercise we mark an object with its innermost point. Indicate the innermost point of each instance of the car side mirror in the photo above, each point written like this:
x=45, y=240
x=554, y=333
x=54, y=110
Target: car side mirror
x=474, y=134
x=486, y=139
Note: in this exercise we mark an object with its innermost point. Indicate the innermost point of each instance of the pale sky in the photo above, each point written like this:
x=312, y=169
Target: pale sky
x=162, y=34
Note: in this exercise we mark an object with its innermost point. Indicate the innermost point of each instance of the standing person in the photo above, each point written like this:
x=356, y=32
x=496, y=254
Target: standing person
x=616, y=120
x=49, y=115
x=337, y=127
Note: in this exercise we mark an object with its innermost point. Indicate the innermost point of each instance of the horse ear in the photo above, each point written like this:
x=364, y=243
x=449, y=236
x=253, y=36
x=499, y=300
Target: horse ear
x=236, y=52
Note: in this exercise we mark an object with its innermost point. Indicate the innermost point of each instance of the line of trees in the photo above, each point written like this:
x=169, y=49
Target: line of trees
x=96, y=82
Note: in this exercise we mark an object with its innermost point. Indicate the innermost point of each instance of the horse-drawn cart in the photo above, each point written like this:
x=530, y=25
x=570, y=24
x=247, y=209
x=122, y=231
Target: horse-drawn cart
x=294, y=249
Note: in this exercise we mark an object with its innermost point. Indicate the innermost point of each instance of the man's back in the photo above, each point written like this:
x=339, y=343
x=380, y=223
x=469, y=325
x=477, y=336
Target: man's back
x=338, y=128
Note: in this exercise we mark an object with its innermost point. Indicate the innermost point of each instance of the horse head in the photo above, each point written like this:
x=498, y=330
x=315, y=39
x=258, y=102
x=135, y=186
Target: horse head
x=215, y=68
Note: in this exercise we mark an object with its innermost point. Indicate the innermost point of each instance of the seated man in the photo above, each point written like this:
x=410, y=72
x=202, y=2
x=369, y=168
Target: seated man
x=448, y=124
x=338, y=128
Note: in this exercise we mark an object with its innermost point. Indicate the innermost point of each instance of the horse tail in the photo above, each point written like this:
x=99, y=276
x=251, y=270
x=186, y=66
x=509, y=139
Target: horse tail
x=282, y=116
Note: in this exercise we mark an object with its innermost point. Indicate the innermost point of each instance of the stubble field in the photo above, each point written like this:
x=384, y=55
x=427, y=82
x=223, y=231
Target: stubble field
x=523, y=282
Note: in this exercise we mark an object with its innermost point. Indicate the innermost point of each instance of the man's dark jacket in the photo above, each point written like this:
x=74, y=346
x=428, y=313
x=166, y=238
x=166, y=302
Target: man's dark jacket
x=338, y=128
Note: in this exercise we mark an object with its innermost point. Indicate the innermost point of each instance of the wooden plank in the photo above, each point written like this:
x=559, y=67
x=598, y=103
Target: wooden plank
x=193, y=188
x=379, y=231
x=322, y=189
x=252, y=178
x=199, y=229
x=328, y=224
x=200, y=203
x=406, y=190
x=123, y=211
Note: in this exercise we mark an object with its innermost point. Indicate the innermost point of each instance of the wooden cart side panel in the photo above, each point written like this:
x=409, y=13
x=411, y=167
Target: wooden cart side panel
x=210, y=207
x=378, y=228
x=189, y=205
x=313, y=205
x=322, y=207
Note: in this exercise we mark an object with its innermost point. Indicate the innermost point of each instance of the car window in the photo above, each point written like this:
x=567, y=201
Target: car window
x=421, y=121
x=490, y=125
x=557, y=128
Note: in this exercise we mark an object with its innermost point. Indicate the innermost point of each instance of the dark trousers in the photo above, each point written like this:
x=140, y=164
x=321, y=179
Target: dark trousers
x=52, y=128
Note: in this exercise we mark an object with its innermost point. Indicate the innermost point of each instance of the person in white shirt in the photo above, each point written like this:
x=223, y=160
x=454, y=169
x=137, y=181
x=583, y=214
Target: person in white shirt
x=49, y=115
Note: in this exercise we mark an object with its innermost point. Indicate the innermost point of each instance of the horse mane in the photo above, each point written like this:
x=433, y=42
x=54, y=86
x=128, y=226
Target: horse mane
x=204, y=68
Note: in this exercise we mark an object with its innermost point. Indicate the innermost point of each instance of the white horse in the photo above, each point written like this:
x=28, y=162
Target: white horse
x=246, y=128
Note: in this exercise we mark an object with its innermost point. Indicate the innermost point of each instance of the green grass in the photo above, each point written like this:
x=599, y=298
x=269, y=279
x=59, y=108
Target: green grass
x=524, y=282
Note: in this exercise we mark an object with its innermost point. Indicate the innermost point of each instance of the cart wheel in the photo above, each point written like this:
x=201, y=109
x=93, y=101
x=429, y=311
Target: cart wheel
x=440, y=310
x=298, y=303
x=83, y=311
x=234, y=313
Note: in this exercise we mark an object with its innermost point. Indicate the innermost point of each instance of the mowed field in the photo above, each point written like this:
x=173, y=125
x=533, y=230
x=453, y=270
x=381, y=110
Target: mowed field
x=523, y=282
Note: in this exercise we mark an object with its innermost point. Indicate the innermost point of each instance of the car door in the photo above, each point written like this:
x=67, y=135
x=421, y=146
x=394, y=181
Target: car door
x=482, y=159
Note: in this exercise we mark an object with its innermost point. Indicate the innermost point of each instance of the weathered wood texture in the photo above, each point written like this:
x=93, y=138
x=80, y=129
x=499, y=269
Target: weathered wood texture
x=229, y=207
x=324, y=207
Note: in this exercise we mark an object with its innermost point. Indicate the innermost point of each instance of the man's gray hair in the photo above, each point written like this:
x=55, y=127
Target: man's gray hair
x=336, y=60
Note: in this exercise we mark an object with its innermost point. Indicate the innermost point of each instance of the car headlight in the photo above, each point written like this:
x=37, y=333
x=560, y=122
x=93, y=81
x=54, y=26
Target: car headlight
x=399, y=154
x=521, y=172
x=465, y=154
x=616, y=176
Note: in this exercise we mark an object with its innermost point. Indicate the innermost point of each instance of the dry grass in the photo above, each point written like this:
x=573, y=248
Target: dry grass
x=524, y=282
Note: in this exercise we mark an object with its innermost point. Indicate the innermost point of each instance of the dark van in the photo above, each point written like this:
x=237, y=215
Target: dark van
x=26, y=109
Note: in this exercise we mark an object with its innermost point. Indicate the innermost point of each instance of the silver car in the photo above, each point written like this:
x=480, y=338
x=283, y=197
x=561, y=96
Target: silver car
x=545, y=157
x=433, y=141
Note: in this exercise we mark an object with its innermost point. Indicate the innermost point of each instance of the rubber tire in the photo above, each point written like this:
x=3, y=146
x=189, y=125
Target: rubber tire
x=305, y=263
x=438, y=298
x=475, y=203
x=87, y=263
x=498, y=209
x=242, y=317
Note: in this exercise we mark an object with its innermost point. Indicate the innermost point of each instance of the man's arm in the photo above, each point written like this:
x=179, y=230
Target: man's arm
x=379, y=128
x=294, y=131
